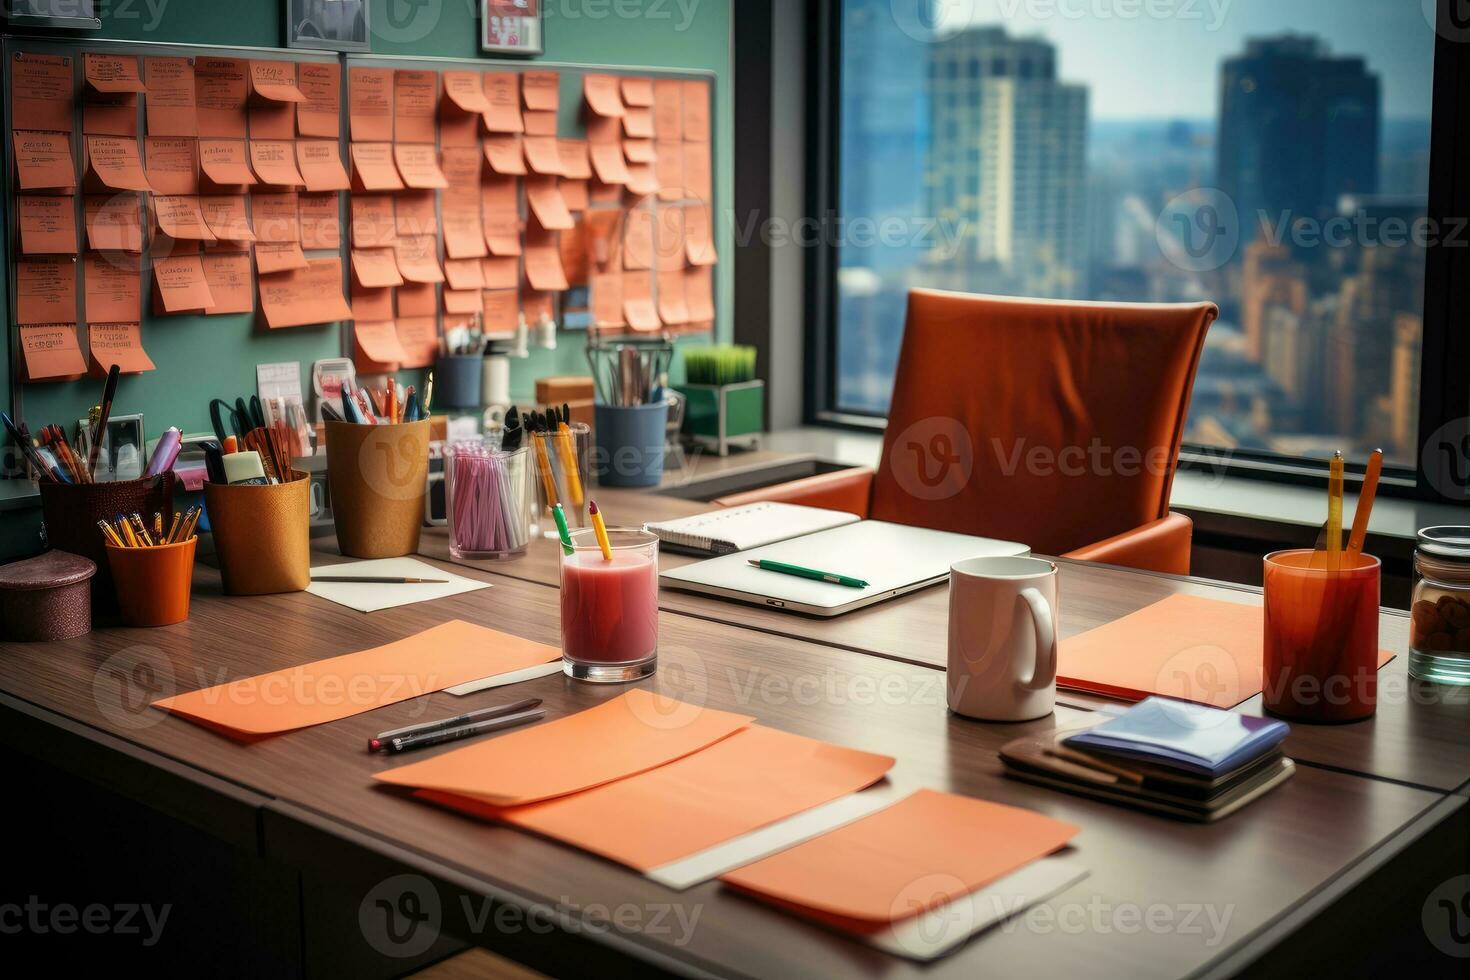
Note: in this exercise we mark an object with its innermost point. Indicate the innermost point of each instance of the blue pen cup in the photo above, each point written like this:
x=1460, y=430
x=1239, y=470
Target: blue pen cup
x=630, y=444
x=457, y=380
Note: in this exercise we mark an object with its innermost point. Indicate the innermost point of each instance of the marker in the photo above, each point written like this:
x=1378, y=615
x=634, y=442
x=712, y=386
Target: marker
x=561, y=528
x=601, y=529
x=403, y=744
x=380, y=742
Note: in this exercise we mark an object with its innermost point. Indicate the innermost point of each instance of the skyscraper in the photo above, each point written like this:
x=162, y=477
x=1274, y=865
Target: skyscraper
x=1007, y=164
x=1298, y=128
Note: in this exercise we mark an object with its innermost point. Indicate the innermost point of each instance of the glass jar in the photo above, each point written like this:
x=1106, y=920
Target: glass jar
x=1439, y=630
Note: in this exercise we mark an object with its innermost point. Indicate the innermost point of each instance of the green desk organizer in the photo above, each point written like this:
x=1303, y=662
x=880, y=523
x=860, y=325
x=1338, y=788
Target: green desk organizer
x=719, y=416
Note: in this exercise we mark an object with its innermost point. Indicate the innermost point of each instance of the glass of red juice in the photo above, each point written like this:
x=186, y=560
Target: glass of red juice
x=1321, y=640
x=609, y=609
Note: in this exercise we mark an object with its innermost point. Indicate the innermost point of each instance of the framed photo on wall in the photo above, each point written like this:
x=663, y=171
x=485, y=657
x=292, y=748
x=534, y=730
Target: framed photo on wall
x=511, y=27
x=334, y=25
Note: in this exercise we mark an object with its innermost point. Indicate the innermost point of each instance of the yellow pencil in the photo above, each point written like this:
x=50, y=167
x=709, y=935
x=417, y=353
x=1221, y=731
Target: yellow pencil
x=1334, y=509
x=568, y=452
x=601, y=529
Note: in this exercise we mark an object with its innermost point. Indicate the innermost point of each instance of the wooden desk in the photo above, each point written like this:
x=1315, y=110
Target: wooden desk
x=1298, y=867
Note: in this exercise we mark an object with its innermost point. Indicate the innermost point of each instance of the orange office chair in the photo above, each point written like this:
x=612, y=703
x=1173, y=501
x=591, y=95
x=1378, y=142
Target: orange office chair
x=1053, y=423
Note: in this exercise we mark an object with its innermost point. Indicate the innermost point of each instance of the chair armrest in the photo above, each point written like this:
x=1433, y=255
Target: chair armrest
x=846, y=490
x=1158, y=546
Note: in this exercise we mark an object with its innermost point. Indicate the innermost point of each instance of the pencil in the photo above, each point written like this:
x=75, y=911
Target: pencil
x=1334, y=509
x=1366, y=496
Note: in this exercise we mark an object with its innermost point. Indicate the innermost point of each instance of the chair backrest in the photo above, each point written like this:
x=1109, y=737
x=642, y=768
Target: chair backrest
x=1053, y=423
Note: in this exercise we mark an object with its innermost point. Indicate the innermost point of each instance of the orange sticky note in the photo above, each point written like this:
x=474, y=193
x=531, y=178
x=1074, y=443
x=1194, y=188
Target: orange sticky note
x=113, y=162
x=638, y=91
x=575, y=162
x=463, y=301
x=505, y=154
x=699, y=294
x=43, y=161
x=638, y=245
x=415, y=104
x=545, y=200
x=373, y=168
x=274, y=163
x=226, y=218
x=112, y=287
x=320, y=165
x=419, y=338
x=638, y=305
x=114, y=223
x=369, y=305
x=41, y=92
x=340, y=687
x=46, y=289
x=668, y=109
x=543, y=264
x=464, y=236
x=375, y=267
x=180, y=284
x=110, y=115
x=378, y=342
x=274, y=81
x=279, y=257
x=542, y=90
x=604, y=95
x=170, y=101
x=696, y=111
x=673, y=308
x=372, y=220
x=117, y=343
x=633, y=733
x=607, y=299
x=918, y=854
x=417, y=299
x=418, y=258
x=111, y=73
x=414, y=213
x=503, y=102
x=640, y=151
x=543, y=154
x=370, y=104
x=230, y=282
x=670, y=253
x=540, y=123
x=638, y=123
x=304, y=296
x=321, y=221
x=668, y=167
x=641, y=179
x=225, y=164
x=499, y=273
x=502, y=233
x=49, y=352
x=608, y=163
x=220, y=90
x=500, y=194
x=462, y=166
x=1184, y=647
x=753, y=778
x=465, y=91
x=48, y=225
x=172, y=164
x=418, y=164
x=276, y=217
x=463, y=274
x=502, y=311
x=698, y=179
x=574, y=194
x=699, y=239
x=321, y=84
x=179, y=217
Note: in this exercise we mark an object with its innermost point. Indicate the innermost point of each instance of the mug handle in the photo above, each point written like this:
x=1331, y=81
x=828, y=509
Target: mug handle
x=1044, y=672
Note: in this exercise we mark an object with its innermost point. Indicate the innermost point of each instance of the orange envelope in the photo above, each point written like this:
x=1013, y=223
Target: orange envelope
x=698, y=235
x=418, y=258
x=419, y=338
x=321, y=84
x=463, y=274
x=545, y=201
x=226, y=218
x=673, y=308
x=918, y=854
x=542, y=90
x=505, y=154
x=43, y=161
x=375, y=268
x=699, y=293
x=113, y=223
x=608, y=163
x=370, y=104
x=543, y=153
x=112, y=162
x=276, y=217
x=465, y=91
x=417, y=299
x=696, y=112
x=415, y=104
x=372, y=220
x=305, y=296
x=112, y=290
x=1184, y=647
x=170, y=101
x=321, y=221
x=179, y=217
x=638, y=305
x=668, y=167
x=379, y=342
x=320, y=163
x=502, y=311
x=419, y=166
x=225, y=163
x=619, y=738
x=340, y=687
x=373, y=169
x=117, y=343
x=111, y=73
x=499, y=273
x=575, y=162
x=180, y=284
x=668, y=109
x=41, y=92
x=607, y=299
x=749, y=780
x=641, y=179
x=638, y=123
x=274, y=81
x=604, y=95
x=279, y=257
x=172, y=164
x=503, y=102
x=230, y=281
x=638, y=91
x=274, y=163
x=46, y=289
x=50, y=352
x=48, y=225
x=220, y=88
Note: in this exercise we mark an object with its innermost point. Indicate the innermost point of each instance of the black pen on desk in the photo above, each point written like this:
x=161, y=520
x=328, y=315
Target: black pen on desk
x=380, y=742
x=424, y=741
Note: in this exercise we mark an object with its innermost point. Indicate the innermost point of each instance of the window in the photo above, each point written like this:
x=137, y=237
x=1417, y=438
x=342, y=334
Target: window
x=1271, y=157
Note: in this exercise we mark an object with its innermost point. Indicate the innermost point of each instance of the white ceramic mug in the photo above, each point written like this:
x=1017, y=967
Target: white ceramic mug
x=1002, y=638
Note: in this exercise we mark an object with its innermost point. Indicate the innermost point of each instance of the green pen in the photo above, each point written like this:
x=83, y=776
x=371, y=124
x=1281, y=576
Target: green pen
x=811, y=573
x=561, y=528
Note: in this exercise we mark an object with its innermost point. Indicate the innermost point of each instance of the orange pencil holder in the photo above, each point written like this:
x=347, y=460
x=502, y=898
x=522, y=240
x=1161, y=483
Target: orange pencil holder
x=262, y=535
x=378, y=475
x=152, y=584
x=72, y=510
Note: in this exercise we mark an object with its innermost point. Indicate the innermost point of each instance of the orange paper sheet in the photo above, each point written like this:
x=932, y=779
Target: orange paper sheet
x=922, y=852
x=638, y=305
x=673, y=309
x=464, y=235
x=274, y=163
x=274, y=81
x=414, y=213
x=120, y=344
x=48, y=225
x=321, y=221
x=112, y=291
x=46, y=289
x=180, y=283
x=225, y=163
x=49, y=352
x=277, y=217
x=622, y=737
x=304, y=296
x=607, y=299
x=668, y=109
x=180, y=218
x=220, y=88
x=463, y=274
x=543, y=155
x=608, y=163
x=739, y=784
x=370, y=104
x=113, y=162
x=418, y=258
x=465, y=91
x=321, y=84
x=170, y=100
x=698, y=178
x=503, y=102
x=696, y=112
x=43, y=161
x=418, y=164
x=638, y=91
x=114, y=223
x=544, y=269
x=415, y=105
x=371, y=304
x=505, y=154
x=417, y=299
x=373, y=168
x=419, y=338
x=41, y=92
x=279, y=257
x=546, y=203
x=641, y=179
x=231, y=282
x=699, y=293
x=576, y=164
x=542, y=90
x=225, y=215
x=640, y=150
x=373, y=223
x=340, y=687
x=502, y=310
x=638, y=124
x=375, y=268
x=503, y=233
x=699, y=239
x=112, y=73
x=638, y=247
x=463, y=301
x=539, y=123
x=499, y=273
x=320, y=164
x=378, y=341
x=172, y=164
x=604, y=95
x=1184, y=647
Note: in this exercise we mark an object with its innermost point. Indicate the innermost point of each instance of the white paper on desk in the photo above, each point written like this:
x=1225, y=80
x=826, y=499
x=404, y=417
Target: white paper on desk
x=372, y=596
x=506, y=679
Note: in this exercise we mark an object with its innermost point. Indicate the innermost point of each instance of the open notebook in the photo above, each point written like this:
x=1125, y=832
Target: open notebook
x=723, y=532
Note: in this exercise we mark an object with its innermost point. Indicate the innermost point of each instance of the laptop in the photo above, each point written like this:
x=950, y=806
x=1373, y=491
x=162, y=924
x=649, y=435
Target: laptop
x=894, y=559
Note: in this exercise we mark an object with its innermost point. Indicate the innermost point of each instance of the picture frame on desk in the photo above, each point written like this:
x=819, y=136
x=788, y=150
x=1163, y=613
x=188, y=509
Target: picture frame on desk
x=512, y=27
x=330, y=25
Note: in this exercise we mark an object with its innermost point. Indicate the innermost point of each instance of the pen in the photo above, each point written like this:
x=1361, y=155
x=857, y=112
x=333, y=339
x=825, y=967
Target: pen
x=601, y=529
x=380, y=742
x=109, y=392
x=427, y=739
x=375, y=580
x=561, y=529
x=811, y=573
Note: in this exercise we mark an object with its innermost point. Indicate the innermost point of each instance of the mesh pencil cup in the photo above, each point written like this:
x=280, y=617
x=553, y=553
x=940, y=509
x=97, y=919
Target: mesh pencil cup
x=488, y=500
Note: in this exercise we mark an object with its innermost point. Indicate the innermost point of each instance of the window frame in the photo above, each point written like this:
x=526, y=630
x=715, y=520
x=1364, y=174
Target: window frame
x=1444, y=390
